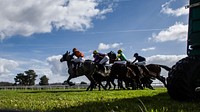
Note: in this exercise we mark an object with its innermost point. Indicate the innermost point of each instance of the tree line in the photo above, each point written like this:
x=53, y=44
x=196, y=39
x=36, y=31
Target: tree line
x=28, y=78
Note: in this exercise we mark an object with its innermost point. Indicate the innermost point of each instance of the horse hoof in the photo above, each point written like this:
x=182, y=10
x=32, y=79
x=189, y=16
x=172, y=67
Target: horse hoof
x=71, y=84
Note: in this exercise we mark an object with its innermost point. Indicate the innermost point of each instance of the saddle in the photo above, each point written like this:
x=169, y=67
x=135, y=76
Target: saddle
x=105, y=69
x=120, y=62
x=77, y=66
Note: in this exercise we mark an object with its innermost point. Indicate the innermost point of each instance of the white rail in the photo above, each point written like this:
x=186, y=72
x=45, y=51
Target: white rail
x=38, y=87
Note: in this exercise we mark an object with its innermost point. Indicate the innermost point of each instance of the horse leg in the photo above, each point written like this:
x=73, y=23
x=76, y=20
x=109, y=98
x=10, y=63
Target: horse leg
x=127, y=83
x=100, y=84
x=88, y=87
x=92, y=85
x=110, y=81
x=68, y=80
x=108, y=85
x=149, y=86
x=130, y=83
x=162, y=79
x=113, y=83
x=120, y=84
x=147, y=82
x=139, y=84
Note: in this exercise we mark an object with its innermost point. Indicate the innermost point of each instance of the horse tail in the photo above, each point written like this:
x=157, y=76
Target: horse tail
x=165, y=67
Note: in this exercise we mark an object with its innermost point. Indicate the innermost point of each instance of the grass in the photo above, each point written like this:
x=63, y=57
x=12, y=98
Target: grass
x=79, y=100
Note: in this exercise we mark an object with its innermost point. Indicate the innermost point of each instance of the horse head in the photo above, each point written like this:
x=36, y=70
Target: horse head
x=112, y=56
x=66, y=57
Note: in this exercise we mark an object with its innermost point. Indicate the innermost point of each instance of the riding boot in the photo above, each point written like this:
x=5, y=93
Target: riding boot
x=101, y=68
x=75, y=64
x=107, y=68
x=78, y=64
x=146, y=71
x=74, y=70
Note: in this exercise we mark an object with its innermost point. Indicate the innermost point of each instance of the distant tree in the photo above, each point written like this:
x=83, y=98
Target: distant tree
x=31, y=77
x=26, y=79
x=20, y=79
x=44, y=80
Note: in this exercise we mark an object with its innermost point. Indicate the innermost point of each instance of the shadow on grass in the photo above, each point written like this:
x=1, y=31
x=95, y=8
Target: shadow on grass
x=157, y=103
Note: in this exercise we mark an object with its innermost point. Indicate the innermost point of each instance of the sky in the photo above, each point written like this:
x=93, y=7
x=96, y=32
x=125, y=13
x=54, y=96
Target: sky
x=34, y=34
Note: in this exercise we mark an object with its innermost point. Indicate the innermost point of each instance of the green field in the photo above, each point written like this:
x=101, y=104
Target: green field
x=79, y=100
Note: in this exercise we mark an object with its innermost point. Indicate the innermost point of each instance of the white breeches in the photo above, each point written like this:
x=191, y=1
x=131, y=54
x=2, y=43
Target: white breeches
x=104, y=60
x=77, y=60
x=141, y=63
x=120, y=62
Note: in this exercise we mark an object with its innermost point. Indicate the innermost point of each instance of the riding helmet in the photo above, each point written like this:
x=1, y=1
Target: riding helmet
x=119, y=51
x=74, y=49
x=95, y=52
x=135, y=55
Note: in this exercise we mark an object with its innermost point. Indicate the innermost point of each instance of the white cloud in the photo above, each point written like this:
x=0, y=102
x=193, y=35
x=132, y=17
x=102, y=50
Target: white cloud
x=103, y=46
x=7, y=66
x=53, y=69
x=148, y=49
x=176, y=32
x=168, y=60
x=56, y=66
x=26, y=17
x=174, y=12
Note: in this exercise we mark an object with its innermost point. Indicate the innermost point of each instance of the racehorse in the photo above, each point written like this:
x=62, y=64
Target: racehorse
x=126, y=74
x=88, y=68
x=99, y=77
x=121, y=72
x=103, y=74
x=154, y=70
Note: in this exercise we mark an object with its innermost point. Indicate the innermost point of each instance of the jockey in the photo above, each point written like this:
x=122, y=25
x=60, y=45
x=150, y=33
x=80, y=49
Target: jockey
x=121, y=57
x=141, y=61
x=79, y=55
x=101, y=59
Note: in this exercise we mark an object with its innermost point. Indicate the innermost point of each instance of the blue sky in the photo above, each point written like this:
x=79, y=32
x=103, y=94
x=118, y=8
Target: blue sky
x=34, y=34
